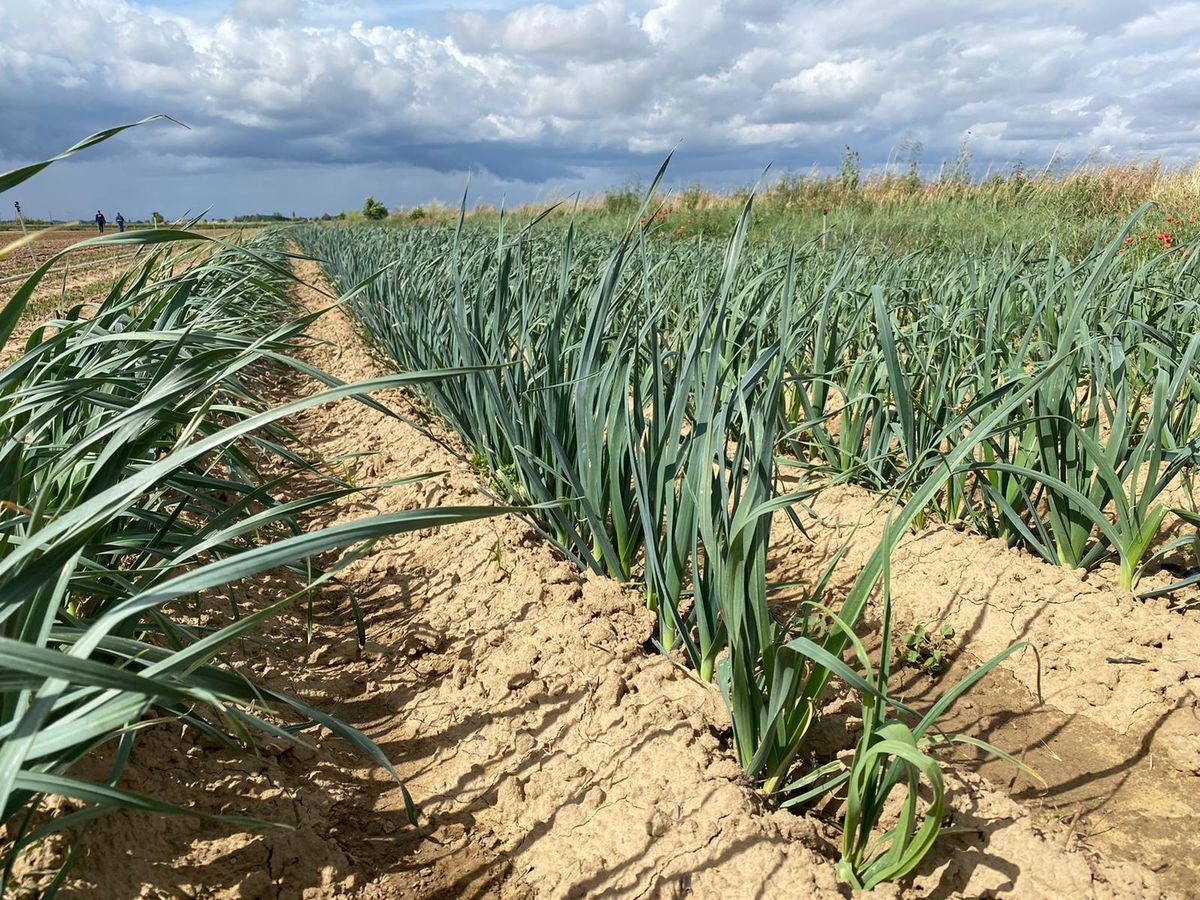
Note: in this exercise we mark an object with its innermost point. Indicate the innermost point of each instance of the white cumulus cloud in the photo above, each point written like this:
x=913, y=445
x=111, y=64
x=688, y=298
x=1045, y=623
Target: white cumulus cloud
x=541, y=92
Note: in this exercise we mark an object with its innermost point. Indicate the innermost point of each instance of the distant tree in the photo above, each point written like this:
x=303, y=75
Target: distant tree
x=157, y=218
x=417, y=213
x=261, y=217
x=374, y=210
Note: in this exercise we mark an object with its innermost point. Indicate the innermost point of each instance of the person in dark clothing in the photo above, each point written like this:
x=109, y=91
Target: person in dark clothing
x=100, y=220
x=120, y=223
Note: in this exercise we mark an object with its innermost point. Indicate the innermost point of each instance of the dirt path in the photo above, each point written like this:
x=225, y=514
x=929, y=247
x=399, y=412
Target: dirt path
x=551, y=756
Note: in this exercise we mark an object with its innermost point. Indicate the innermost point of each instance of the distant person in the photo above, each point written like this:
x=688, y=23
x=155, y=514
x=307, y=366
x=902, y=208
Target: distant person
x=100, y=220
x=120, y=223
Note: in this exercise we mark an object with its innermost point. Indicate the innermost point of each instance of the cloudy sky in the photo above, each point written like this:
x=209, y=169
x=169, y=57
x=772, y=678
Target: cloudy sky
x=308, y=105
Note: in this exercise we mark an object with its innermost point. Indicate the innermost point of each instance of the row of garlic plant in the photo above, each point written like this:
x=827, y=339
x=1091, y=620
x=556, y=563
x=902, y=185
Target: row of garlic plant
x=640, y=395
x=140, y=468
x=1077, y=473
x=881, y=357
x=613, y=398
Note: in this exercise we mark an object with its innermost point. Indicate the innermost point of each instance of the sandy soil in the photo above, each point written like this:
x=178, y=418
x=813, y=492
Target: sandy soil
x=81, y=267
x=19, y=261
x=553, y=757
x=84, y=275
x=1118, y=736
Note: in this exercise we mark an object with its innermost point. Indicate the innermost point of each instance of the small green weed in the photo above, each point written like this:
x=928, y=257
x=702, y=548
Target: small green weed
x=926, y=649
